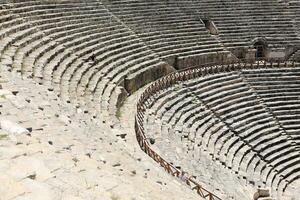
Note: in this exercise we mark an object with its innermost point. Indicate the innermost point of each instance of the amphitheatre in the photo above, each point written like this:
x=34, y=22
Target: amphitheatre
x=144, y=100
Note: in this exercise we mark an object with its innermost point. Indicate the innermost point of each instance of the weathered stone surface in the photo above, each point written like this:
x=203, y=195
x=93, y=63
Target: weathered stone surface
x=12, y=127
x=63, y=160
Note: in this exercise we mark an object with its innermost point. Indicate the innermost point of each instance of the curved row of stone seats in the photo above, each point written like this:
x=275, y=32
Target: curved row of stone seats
x=177, y=135
x=109, y=47
x=60, y=30
x=193, y=124
x=254, y=132
x=78, y=46
x=165, y=28
x=23, y=8
x=249, y=21
x=243, y=101
x=222, y=114
x=294, y=7
x=66, y=34
x=48, y=24
x=279, y=90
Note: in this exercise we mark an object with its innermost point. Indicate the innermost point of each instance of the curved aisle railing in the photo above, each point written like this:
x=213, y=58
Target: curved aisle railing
x=170, y=80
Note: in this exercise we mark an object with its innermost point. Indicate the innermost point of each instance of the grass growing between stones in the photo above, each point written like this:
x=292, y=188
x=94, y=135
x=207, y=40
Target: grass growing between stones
x=3, y=136
x=118, y=114
x=115, y=197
